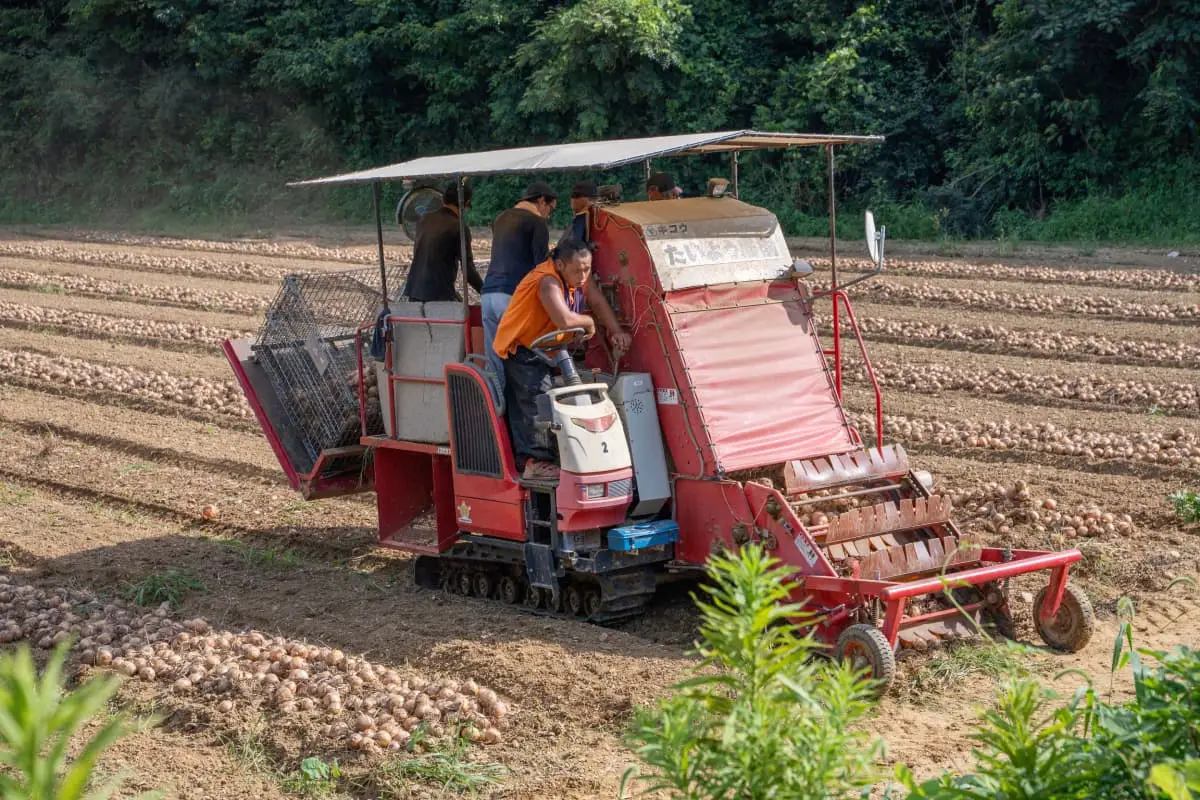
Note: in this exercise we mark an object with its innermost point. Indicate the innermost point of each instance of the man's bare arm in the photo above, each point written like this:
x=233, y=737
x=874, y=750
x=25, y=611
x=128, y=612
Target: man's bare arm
x=551, y=294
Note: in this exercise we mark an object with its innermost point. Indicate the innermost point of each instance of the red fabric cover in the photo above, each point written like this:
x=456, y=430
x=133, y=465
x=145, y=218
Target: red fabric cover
x=759, y=381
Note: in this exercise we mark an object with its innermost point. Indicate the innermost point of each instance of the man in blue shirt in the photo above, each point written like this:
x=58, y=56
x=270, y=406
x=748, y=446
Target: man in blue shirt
x=520, y=241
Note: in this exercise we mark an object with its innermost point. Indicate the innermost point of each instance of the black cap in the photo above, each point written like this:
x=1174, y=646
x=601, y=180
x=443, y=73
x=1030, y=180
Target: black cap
x=585, y=189
x=661, y=181
x=539, y=189
x=450, y=194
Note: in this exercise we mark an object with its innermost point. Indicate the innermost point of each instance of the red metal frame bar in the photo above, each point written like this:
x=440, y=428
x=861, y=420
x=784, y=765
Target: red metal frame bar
x=845, y=299
x=896, y=595
x=260, y=413
x=393, y=379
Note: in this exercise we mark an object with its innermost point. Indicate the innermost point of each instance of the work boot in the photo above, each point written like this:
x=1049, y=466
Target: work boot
x=540, y=471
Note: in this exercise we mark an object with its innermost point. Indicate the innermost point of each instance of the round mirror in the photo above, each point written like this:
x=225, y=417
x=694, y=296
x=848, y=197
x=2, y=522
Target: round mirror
x=872, y=238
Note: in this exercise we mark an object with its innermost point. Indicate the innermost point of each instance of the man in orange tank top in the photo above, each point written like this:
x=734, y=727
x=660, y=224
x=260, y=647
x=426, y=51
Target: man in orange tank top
x=549, y=298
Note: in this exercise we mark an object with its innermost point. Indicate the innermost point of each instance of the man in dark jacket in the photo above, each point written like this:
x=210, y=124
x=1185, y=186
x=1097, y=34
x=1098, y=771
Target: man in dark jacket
x=583, y=195
x=520, y=241
x=436, y=255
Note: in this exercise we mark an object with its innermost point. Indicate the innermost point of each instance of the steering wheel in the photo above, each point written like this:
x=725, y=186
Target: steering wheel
x=556, y=340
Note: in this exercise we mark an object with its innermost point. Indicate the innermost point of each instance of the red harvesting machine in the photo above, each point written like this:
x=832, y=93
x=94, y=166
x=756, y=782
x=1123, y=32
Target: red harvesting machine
x=722, y=425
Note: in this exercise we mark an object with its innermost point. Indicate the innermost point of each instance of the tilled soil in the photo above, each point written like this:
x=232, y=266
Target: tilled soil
x=101, y=488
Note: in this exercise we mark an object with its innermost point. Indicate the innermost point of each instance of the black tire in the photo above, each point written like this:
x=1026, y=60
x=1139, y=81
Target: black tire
x=465, y=582
x=509, y=590
x=1071, y=628
x=592, y=602
x=533, y=597
x=483, y=585
x=865, y=647
x=574, y=600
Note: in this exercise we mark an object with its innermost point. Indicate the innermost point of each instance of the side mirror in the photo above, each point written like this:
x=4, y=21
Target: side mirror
x=875, y=239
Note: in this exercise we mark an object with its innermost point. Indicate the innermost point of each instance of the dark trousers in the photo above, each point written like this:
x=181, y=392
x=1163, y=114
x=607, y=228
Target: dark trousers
x=525, y=377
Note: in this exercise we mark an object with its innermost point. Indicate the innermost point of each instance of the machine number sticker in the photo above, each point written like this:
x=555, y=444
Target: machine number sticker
x=668, y=397
x=661, y=231
x=806, y=549
x=464, y=512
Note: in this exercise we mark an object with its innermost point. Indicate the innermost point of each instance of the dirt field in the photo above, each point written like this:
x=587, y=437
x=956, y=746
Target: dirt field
x=119, y=424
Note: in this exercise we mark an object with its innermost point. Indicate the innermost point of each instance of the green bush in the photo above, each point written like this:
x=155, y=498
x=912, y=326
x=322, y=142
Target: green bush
x=1029, y=747
x=760, y=718
x=38, y=722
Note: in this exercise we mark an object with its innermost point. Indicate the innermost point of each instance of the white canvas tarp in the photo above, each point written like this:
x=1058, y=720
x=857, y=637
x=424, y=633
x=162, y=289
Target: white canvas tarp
x=586, y=155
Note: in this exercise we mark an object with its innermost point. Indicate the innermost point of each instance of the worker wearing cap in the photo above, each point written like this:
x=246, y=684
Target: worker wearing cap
x=583, y=195
x=520, y=241
x=437, y=252
x=549, y=298
x=661, y=186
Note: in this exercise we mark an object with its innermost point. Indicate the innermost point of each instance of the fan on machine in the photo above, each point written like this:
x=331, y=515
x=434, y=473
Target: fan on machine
x=416, y=203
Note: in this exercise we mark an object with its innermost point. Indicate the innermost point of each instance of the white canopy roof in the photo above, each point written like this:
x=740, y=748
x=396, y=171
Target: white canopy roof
x=587, y=155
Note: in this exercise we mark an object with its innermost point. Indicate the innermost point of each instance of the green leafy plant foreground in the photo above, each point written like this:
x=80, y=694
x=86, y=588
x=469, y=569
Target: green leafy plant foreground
x=39, y=721
x=1030, y=747
x=760, y=718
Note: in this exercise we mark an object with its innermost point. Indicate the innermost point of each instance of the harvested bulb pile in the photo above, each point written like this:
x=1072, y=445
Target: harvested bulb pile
x=173, y=295
x=367, y=705
x=1180, y=447
x=996, y=508
x=1095, y=305
x=1035, y=341
x=145, y=262
x=353, y=255
x=1090, y=388
x=201, y=393
x=1124, y=278
x=116, y=326
x=990, y=508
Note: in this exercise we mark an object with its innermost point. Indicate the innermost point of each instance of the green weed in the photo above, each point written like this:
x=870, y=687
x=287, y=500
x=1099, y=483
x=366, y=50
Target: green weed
x=12, y=496
x=37, y=721
x=449, y=770
x=315, y=778
x=49, y=288
x=1187, y=505
x=951, y=666
x=166, y=587
x=760, y=717
x=284, y=558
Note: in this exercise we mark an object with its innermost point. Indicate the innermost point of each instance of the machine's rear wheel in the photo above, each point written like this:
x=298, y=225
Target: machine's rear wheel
x=483, y=585
x=510, y=590
x=1071, y=628
x=465, y=582
x=533, y=597
x=591, y=602
x=574, y=598
x=865, y=647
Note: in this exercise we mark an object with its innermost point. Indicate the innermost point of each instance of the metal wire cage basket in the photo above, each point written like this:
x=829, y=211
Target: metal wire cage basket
x=306, y=348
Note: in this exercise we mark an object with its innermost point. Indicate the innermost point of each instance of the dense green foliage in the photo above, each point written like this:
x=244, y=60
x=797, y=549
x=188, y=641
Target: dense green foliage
x=996, y=112
x=761, y=718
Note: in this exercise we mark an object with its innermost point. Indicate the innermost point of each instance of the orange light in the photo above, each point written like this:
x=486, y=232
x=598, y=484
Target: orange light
x=596, y=425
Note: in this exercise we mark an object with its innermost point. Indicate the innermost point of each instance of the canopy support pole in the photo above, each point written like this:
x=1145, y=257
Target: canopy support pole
x=734, y=167
x=379, y=240
x=832, y=221
x=462, y=256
